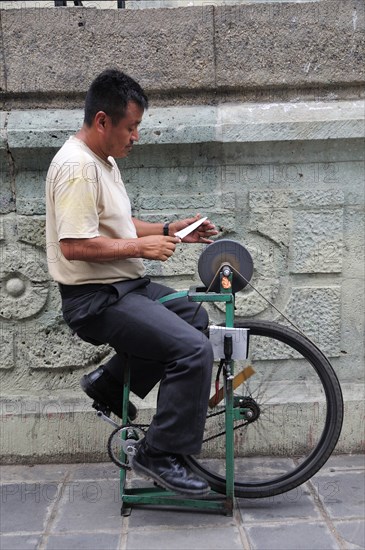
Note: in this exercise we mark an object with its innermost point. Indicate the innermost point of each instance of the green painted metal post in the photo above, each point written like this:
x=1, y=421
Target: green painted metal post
x=229, y=418
x=126, y=384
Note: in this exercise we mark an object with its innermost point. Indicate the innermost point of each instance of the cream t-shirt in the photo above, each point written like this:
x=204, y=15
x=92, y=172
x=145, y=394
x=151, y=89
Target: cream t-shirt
x=86, y=198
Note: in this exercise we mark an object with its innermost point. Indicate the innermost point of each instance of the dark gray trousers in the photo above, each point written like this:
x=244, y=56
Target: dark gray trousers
x=161, y=342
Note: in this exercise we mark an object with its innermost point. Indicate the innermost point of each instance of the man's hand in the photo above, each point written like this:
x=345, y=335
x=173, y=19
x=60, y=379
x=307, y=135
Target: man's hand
x=201, y=235
x=157, y=247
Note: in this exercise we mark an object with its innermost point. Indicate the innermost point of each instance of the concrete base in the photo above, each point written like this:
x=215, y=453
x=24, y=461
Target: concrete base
x=68, y=430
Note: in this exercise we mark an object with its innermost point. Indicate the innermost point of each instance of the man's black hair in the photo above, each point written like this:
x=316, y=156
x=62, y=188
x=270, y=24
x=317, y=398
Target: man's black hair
x=110, y=92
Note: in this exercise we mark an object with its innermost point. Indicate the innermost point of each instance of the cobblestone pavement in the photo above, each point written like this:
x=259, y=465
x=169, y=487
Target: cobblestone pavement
x=77, y=506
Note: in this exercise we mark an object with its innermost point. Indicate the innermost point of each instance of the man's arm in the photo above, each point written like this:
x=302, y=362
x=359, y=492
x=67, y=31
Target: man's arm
x=145, y=228
x=105, y=249
x=200, y=235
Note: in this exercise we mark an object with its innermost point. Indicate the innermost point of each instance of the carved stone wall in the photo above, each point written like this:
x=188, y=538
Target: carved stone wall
x=277, y=164
x=297, y=204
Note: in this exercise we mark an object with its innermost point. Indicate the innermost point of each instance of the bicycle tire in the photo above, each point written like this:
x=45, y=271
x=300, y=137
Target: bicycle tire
x=298, y=461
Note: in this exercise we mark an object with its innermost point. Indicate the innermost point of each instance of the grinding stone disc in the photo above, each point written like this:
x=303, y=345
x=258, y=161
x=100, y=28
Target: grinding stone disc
x=228, y=252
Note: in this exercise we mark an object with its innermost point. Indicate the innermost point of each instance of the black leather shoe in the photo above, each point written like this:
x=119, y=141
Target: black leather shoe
x=107, y=392
x=168, y=471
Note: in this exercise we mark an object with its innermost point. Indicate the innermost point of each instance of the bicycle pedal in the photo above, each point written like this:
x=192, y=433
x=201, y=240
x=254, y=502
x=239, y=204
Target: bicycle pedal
x=102, y=408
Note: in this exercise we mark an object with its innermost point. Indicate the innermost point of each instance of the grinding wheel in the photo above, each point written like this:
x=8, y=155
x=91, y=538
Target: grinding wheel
x=227, y=252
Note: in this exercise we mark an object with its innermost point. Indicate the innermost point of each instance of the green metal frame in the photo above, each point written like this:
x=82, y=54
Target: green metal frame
x=157, y=496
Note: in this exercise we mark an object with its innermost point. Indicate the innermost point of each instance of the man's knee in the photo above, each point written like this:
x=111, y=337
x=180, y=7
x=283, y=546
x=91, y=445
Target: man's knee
x=201, y=349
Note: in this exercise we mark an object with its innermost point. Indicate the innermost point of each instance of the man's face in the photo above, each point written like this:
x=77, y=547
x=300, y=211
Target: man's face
x=118, y=140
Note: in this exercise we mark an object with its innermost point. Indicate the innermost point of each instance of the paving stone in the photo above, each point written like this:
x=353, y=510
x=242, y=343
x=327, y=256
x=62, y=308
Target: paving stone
x=342, y=493
x=82, y=541
x=18, y=542
x=88, y=513
x=344, y=462
x=24, y=506
x=297, y=503
x=222, y=538
x=89, y=505
x=179, y=517
x=301, y=536
x=352, y=531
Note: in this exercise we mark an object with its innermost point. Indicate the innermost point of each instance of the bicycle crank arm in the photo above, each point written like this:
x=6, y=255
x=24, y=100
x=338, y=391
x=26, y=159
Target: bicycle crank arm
x=237, y=381
x=107, y=419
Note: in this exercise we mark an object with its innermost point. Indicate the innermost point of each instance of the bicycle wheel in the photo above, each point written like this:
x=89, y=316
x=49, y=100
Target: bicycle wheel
x=297, y=410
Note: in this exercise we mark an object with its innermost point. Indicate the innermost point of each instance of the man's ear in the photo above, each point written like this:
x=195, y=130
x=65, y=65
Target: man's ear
x=100, y=120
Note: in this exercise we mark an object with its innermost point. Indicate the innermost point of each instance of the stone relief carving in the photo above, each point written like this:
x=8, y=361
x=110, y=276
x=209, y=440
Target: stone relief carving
x=24, y=281
x=33, y=334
